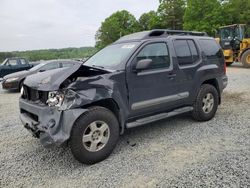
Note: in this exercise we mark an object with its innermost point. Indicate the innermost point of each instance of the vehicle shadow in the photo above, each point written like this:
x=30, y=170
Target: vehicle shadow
x=236, y=65
x=3, y=91
x=63, y=159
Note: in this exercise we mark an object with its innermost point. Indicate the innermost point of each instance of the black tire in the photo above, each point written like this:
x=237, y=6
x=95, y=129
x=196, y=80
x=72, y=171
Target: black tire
x=245, y=59
x=198, y=112
x=76, y=144
x=229, y=63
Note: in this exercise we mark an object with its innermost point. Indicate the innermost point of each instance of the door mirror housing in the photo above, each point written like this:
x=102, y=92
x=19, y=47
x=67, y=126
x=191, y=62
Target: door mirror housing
x=41, y=70
x=143, y=64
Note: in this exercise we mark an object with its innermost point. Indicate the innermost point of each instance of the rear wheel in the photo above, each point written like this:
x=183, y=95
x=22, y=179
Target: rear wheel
x=94, y=135
x=245, y=59
x=206, y=103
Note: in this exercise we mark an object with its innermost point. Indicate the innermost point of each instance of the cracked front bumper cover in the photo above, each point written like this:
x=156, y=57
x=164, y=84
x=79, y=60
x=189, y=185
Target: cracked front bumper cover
x=50, y=125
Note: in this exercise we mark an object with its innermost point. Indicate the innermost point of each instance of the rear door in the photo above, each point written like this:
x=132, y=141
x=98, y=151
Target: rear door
x=188, y=59
x=154, y=89
x=23, y=64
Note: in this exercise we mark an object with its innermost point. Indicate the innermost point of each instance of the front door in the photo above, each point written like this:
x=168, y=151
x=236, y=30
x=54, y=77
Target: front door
x=10, y=66
x=153, y=89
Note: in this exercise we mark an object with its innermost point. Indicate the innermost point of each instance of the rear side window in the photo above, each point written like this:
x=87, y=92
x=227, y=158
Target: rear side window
x=158, y=52
x=68, y=64
x=193, y=49
x=186, y=52
x=211, y=48
x=23, y=61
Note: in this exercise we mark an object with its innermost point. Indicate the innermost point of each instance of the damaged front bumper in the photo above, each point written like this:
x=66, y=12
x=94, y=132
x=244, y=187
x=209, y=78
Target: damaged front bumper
x=50, y=125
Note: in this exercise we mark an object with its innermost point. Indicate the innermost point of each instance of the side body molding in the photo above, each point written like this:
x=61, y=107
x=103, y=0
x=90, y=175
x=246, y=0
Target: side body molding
x=157, y=101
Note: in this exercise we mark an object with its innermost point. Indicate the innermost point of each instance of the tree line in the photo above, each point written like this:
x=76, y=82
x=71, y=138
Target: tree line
x=65, y=53
x=196, y=15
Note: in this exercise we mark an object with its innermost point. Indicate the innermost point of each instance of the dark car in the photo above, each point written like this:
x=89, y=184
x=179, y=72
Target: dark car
x=14, y=64
x=14, y=81
x=139, y=79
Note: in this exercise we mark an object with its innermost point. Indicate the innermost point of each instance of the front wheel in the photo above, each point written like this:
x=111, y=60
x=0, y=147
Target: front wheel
x=206, y=103
x=94, y=135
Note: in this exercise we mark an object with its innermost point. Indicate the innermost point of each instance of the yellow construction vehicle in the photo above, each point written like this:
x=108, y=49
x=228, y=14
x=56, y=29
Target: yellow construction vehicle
x=235, y=42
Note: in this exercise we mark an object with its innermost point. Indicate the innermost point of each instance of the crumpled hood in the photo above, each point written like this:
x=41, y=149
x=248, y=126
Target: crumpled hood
x=52, y=79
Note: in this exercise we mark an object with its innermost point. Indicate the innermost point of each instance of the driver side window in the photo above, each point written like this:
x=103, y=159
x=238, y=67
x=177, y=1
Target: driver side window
x=12, y=62
x=158, y=53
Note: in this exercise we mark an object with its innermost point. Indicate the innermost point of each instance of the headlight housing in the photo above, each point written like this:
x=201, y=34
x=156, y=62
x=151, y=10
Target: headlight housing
x=12, y=79
x=55, y=98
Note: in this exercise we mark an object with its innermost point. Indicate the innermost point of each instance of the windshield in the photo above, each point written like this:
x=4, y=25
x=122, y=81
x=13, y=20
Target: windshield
x=35, y=68
x=4, y=62
x=227, y=33
x=111, y=56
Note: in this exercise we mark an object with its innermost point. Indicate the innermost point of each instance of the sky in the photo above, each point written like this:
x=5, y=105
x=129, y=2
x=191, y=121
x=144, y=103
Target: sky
x=44, y=24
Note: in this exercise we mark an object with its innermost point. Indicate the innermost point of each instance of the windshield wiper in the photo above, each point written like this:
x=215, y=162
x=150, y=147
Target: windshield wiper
x=98, y=66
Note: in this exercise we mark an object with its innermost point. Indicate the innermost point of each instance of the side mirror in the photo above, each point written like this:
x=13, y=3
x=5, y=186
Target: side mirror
x=41, y=70
x=143, y=64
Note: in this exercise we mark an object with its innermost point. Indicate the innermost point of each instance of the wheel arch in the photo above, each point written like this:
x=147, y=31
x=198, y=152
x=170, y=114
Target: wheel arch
x=111, y=105
x=214, y=83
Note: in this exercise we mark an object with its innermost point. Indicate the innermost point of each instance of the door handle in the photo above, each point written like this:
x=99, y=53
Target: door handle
x=171, y=76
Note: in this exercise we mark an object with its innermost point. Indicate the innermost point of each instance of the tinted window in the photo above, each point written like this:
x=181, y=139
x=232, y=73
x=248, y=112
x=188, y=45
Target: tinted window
x=193, y=49
x=23, y=62
x=12, y=62
x=68, y=64
x=183, y=52
x=50, y=66
x=186, y=52
x=158, y=52
x=211, y=49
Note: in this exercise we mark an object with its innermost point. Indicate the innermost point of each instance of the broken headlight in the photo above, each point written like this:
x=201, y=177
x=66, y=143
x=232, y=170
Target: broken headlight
x=55, y=98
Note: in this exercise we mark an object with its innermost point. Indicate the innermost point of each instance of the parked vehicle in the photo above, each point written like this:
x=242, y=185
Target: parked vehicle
x=14, y=64
x=235, y=42
x=141, y=78
x=14, y=81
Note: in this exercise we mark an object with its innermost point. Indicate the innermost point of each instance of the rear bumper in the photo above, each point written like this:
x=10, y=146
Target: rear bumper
x=50, y=125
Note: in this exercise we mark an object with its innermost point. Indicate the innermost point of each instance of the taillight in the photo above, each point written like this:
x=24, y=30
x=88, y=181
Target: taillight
x=225, y=68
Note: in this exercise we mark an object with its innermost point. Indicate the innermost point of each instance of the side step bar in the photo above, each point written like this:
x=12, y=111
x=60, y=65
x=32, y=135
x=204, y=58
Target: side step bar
x=157, y=117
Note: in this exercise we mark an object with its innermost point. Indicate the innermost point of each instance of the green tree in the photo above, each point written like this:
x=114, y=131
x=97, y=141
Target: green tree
x=149, y=21
x=237, y=11
x=118, y=24
x=203, y=15
x=171, y=13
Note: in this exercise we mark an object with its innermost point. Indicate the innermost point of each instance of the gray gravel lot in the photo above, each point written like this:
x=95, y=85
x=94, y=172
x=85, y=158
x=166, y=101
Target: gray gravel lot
x=176, y=152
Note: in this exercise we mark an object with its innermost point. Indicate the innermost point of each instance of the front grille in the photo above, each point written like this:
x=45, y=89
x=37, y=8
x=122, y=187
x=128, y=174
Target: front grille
x=34, y=95
x=31, y=115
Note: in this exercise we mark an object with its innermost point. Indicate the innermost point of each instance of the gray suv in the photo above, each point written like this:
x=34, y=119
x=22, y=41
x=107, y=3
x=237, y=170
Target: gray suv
x=139, y=79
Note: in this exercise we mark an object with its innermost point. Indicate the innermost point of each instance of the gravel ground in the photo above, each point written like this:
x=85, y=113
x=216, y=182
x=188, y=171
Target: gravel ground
x=176, y=152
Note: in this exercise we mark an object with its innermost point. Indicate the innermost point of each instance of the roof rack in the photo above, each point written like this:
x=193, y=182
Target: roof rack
x=159, y=33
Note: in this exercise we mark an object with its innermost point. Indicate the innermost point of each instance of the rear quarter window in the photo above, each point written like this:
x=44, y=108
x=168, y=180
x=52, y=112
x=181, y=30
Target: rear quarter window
x=211, y=48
